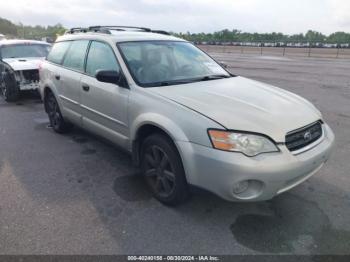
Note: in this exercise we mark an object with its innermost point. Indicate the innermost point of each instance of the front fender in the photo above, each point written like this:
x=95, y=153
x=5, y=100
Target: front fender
x=5, y=68
x=160, y=121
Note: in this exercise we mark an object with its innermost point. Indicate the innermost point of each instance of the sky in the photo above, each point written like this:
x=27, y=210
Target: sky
x=290, y=17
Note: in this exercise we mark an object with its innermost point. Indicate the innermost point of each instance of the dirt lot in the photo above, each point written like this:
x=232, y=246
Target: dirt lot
x=75, y=194
x=340, y=53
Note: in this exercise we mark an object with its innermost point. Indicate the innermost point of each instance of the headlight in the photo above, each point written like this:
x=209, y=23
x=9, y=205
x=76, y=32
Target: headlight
x=246, y=143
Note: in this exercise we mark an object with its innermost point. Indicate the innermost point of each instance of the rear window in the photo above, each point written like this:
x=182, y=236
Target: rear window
x=75, y=57
x=57, y=52
x=24, y=50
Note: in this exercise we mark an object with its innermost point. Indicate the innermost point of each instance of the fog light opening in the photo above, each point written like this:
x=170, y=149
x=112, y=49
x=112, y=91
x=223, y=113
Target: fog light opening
x=247, y=189
x=240, y=187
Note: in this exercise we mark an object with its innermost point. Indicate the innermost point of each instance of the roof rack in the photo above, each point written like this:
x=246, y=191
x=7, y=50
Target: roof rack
x=76, y=30
x=118, y=28
x=108, y=29
x=160, y=32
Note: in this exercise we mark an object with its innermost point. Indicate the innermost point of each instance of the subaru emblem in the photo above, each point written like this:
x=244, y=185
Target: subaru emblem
x=307, y=136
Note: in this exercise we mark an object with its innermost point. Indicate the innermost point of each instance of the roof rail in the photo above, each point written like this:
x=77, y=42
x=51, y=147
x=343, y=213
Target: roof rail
x=160, y=32
x=117, y=28
x=76, y=30
x=107, y=29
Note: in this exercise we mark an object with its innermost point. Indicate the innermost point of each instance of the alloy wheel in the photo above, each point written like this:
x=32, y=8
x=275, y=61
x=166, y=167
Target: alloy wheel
x=159, y=172
x=54, y=113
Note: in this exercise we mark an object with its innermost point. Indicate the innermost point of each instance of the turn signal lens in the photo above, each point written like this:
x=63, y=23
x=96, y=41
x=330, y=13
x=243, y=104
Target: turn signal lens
x=221, y=140
x=246, y=143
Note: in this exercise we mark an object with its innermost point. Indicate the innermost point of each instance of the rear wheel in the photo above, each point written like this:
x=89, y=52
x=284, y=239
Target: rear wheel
x=162, y=168
x=57, y=122
x=9, y=89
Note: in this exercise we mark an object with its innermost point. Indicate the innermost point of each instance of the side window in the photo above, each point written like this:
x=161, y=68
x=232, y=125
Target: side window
x=101, y=56
x=75, y=56
x=57, y=52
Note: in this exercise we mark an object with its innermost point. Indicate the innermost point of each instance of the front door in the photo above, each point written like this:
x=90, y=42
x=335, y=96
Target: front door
x=104, y=105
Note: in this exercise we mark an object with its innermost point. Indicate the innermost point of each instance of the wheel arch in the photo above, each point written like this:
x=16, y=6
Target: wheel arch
x=149, y=127
x=45, y=91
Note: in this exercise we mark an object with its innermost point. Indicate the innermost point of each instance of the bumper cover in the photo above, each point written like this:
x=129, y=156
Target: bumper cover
x=28, y=86
x=268, y=174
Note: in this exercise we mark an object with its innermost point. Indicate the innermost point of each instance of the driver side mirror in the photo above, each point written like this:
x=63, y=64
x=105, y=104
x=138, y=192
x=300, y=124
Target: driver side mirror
x=224, y=65
x=108, y=76
x=111, y=76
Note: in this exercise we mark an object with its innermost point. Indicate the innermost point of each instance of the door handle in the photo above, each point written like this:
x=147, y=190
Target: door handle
x=58, y=77
x=86, y=88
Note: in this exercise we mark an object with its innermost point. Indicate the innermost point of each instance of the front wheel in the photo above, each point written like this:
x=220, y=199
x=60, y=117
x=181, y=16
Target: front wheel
x=9, y=89
x=57, y=122
x=163, y=170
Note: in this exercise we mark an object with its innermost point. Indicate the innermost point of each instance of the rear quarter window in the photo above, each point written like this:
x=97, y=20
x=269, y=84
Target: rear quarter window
x=58, y=51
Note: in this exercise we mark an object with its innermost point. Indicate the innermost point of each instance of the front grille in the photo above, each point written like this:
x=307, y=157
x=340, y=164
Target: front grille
x=31, y=75
x=302, y=137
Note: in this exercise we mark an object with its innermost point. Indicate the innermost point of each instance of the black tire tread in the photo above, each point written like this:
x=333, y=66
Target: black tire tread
x=12, y=90
x=64, y=125
x=181, y=193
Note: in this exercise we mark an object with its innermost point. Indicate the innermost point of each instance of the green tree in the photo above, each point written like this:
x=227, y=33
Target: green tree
x=339, y=38
x=7, y=27
x=314, y=37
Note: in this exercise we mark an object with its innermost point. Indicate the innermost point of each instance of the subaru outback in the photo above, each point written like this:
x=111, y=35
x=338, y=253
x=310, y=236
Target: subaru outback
x=185, y=120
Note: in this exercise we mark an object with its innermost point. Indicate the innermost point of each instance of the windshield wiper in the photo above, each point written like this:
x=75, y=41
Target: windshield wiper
x=213, y=77
x=186, y=81
x=198, y=79
x=173, y=82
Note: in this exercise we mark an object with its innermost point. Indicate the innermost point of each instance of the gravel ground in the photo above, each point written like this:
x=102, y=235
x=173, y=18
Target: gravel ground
x=76, y=194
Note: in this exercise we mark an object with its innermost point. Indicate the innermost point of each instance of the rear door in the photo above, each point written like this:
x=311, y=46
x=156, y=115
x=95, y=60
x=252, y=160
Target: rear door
x=51, y=72
x=70, y=77
x=104, y=105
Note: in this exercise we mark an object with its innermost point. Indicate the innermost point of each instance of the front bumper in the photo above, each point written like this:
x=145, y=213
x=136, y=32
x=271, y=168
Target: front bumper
x=27, y=79
x=267, y=174
x=28, y=86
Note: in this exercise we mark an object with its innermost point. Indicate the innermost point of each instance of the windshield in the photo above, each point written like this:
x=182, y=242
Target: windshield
x=24, y=50
x=158, y=63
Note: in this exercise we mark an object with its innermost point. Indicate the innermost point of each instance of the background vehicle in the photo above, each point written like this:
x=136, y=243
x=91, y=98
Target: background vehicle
x=184, y=118
x=19, y=66
x=2, y=37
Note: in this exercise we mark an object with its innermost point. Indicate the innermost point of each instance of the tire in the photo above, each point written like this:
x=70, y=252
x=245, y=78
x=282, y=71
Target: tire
x=58, y=124
x=163, y=171
x=10, y=90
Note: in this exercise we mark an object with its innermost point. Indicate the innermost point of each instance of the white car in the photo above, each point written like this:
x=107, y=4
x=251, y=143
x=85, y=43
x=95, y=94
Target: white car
x=182, y=116
x=19, y=66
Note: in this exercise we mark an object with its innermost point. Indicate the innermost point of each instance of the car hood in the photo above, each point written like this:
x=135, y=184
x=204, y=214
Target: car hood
x=242, y=104
x=24, y=63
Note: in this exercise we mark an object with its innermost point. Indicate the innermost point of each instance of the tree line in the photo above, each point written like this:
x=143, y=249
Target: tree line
x=234, y=35
x=12, y=30
x=38, y=32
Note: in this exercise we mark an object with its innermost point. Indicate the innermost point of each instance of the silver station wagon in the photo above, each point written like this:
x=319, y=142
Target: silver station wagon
x=183, y=117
